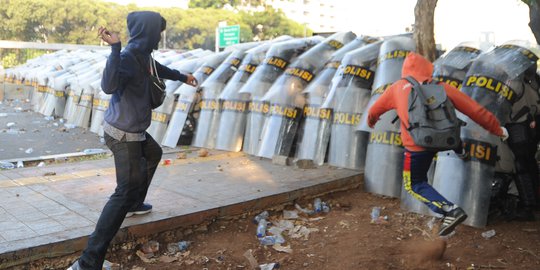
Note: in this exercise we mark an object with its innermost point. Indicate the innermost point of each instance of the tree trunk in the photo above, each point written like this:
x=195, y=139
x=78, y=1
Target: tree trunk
x=534, y=17
x=424, y=14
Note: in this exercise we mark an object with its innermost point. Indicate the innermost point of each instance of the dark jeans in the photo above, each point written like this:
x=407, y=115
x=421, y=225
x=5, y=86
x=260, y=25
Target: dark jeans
x=135, y=164
x=415, y=168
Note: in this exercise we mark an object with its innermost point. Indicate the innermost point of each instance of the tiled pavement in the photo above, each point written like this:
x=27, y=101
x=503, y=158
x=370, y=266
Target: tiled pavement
x=45, y=215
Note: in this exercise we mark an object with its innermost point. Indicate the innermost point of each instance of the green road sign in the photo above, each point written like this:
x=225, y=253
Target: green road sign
x=229, y=35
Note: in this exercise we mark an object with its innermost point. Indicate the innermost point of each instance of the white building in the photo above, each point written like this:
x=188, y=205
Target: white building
x=318, y=15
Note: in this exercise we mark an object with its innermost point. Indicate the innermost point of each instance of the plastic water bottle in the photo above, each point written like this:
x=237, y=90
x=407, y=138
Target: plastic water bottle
x=183, y=245
x=261, y=228
x=263, y=215
x=375, y=213
x=317, y=205
x=325, y=207
x=268, y=240
x=6, y=165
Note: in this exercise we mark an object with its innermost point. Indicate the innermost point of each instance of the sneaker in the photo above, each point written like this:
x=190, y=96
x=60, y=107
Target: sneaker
x=144, y=208
x=75, y=266
x=451, y=220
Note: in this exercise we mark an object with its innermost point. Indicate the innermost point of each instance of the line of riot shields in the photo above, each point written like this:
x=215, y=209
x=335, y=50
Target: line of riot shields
x=306, y=99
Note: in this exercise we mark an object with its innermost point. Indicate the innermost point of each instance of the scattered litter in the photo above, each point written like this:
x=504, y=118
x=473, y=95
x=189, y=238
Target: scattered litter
x=344, y=224
x=317, y=205
x=181, y=155
x=271, y=240
x=41, y=164
x=376, y=217
x=29, y=150
x=150, y=247
x=252, y=261
x=56, y=124
x=290, y=214
x=280, y=248
x=488, y=234
x=303, y=210
x=6, y=165
x=178, y=247
x=261, y=228
x=269, y=266
x=262, y=215
x=167, y=161
x=302, y=231
x=276, y=231
x=10, y=124
x=49, y=118
x=167, y=259
x=20, y=164
x=284, y=225
x=49, y=174
x=145, y=257
x=203, y=153
x=70, y=126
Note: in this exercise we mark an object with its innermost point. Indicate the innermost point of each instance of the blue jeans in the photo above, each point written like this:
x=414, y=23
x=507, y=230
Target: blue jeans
x=135, y=163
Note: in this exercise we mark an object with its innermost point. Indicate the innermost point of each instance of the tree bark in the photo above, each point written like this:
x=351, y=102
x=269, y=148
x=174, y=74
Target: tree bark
x=424, y=14
x=534, y=19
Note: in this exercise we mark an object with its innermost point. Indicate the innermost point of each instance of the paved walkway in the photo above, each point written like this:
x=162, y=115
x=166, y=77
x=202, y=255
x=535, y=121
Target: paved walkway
x=46, y=215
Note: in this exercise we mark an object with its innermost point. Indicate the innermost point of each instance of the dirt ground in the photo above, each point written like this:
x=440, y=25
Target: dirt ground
x=343, y=238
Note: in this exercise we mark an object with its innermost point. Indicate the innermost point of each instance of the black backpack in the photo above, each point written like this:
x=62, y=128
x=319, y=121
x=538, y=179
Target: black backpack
x=433, y=123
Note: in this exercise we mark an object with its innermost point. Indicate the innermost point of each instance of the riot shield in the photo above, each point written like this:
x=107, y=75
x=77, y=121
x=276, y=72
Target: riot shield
x=277, y=59
x=47, y=96
x=384, y=155
x=494, y=80
x=234, y=104
x=349, y=97
x=314, y=132
x=210, y=115
x=188, y=98
x=162, y=114
x=83, y=109
x=452, y=67
x=285, y=98
x=100, y=105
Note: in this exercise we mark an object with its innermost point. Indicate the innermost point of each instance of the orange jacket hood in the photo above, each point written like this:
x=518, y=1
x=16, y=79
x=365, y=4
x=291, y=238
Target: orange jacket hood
x=418, y=67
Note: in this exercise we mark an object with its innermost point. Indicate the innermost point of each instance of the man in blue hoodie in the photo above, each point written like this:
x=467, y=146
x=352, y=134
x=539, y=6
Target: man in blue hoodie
x=136, y=153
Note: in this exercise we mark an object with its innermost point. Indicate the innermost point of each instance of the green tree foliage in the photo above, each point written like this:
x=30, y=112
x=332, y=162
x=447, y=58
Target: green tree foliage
x=212, y=3
x=76, y=21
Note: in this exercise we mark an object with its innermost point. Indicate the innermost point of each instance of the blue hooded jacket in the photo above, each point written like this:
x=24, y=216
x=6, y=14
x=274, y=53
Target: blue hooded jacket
x=126, y=74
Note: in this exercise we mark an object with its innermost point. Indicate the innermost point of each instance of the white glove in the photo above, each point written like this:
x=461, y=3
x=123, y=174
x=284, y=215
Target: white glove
x=504, y=135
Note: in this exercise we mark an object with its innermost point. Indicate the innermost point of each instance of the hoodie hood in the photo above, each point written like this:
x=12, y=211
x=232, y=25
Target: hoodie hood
x=418, y=67
x=144, y=30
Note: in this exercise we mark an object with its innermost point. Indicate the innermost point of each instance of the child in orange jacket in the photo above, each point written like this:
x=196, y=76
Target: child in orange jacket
x=417, y=159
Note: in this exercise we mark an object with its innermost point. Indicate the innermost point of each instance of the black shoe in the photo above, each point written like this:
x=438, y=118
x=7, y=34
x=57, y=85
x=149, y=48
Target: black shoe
x=451, y=220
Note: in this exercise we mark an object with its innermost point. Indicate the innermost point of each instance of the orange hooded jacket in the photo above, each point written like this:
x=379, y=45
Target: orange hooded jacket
x=397, y=97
